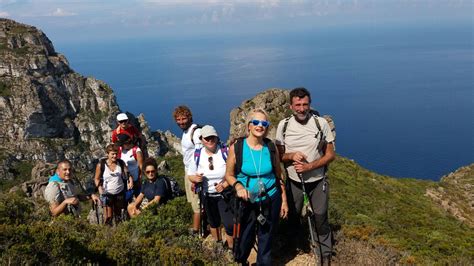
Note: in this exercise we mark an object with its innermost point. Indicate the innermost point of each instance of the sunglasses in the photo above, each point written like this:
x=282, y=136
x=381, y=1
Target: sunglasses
x=209, y=138
x=211, y=165
x=262, y=123
x=122, y=121
x=150, y=172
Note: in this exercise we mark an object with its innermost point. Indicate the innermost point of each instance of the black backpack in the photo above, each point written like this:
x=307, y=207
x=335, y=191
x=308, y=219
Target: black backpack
x=172, y=188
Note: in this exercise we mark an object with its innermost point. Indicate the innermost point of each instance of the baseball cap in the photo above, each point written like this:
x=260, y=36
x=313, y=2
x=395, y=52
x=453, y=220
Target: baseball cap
x=208, y=131
x=122, y=117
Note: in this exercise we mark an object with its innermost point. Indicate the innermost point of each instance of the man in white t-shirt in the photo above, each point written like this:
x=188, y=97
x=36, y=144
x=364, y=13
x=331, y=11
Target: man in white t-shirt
x=189, y=142
x=306, y=146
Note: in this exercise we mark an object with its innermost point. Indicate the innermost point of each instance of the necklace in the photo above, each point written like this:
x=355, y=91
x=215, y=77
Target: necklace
x=254, y=163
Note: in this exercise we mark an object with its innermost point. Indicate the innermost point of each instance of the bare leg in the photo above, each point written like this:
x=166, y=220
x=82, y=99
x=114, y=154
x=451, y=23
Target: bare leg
x=216, y=234
x=229, y=240
x=196, y=221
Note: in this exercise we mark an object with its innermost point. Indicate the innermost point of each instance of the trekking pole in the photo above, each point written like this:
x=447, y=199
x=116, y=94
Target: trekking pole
x=200, y=190
x=308, y=209
x=236, y=229
x=95, y=207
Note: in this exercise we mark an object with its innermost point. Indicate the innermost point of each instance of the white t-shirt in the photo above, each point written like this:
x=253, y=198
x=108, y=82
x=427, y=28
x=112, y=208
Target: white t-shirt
x=131, y=162
x=188, y=147
x=301, y=138
x=113, y=182
x=211, y=176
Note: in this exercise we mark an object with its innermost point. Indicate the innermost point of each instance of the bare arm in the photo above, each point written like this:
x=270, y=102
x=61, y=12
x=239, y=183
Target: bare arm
x=97, y=179
x=58, y=208
x=229, y=175
x=140, y=165
x=156, y=200
x=288, y=157
x=281, y=178
x=138, y=200
x=130, y=178
x=328, y=157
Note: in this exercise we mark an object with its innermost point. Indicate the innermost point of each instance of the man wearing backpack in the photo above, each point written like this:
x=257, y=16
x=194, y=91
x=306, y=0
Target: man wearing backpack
x=189, y=142
x=62, y=194
x=306, y=145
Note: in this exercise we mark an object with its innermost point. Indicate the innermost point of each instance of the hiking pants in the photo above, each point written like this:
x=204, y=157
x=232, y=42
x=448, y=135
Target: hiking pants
x=318, y=193
x=251, y=227
x=217, y=211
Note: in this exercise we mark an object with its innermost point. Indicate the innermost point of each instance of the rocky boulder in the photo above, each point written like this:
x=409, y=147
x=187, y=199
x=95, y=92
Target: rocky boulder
x=274, y=101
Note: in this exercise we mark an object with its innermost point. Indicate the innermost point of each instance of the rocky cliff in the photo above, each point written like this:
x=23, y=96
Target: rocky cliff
x=47, y=111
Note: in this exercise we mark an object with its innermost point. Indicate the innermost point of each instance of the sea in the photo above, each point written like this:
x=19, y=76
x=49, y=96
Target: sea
x=402, y=96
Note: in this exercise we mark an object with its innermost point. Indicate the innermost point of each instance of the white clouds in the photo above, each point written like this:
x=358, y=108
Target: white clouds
x=59, y=12
x=4, y=14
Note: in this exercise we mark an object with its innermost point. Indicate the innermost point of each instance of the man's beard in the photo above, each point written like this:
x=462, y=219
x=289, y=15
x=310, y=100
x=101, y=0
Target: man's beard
x=302, y=118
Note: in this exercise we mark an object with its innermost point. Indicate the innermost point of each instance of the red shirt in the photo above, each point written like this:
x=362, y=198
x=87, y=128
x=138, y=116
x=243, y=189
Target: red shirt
x=130, y=130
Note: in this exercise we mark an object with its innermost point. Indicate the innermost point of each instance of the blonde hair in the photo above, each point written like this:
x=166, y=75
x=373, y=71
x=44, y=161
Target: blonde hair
x=250, y=118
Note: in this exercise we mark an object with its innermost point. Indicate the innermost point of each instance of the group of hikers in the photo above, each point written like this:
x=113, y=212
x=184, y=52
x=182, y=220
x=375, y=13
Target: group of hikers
x=240, y=186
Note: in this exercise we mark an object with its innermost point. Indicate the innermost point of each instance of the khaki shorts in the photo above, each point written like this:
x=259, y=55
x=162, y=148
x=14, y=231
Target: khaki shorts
x=190, y=195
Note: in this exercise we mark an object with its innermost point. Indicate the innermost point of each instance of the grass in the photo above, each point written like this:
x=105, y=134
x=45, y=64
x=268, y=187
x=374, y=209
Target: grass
x=396, y=213
x=385, y=212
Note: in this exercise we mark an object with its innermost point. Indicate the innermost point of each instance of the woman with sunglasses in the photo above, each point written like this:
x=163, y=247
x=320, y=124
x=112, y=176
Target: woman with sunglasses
x=153, y=189
x=210, y=170
x=253, y=169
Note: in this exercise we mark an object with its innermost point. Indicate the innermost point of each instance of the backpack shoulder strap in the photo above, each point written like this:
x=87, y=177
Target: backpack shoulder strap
x=192, y=132
x=122, y=166
x=315, y=117
x=285, y=126
x=238, y=149
x=272, y=148
x=224, y=151
x=102, y=169
x=197, y=156
x=134, y=151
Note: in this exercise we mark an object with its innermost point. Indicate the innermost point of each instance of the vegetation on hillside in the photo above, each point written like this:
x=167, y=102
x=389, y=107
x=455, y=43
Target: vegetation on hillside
x=396, y=213
x=381, y=211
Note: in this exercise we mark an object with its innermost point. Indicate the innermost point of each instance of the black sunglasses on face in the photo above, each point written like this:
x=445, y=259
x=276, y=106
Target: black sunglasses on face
x=209, y=138
x=122, y=121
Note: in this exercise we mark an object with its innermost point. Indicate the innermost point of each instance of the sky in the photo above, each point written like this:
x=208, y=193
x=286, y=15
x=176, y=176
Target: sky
x=82, y=20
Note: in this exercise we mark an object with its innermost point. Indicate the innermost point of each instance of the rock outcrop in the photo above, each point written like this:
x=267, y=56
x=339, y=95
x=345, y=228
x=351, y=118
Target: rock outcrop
x=47, y=111
x=274, y=101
